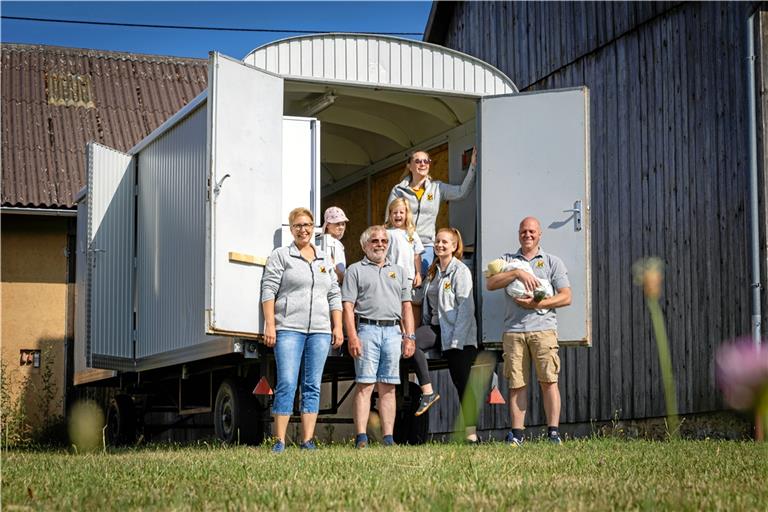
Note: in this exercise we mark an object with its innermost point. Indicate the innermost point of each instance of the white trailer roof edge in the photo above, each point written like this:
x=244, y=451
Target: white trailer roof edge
x=302, y=63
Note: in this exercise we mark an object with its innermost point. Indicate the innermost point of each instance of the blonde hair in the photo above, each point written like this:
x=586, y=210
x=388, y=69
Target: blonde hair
x=296, y=212
x=410, y=227
x=408, y=162
x=458, y=253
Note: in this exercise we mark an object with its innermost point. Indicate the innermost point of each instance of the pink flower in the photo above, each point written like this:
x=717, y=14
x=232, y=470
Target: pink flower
x=742, y=373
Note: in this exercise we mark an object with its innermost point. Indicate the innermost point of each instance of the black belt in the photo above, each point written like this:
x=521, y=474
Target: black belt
x=380, y=323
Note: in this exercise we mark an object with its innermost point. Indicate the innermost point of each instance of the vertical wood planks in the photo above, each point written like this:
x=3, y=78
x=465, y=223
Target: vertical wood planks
x=668, y=178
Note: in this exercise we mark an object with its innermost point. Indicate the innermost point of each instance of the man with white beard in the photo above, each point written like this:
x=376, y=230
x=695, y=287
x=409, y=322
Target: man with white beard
x=376, y=298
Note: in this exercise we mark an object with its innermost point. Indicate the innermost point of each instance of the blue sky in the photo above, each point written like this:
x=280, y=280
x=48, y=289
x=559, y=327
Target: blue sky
x=341, y=16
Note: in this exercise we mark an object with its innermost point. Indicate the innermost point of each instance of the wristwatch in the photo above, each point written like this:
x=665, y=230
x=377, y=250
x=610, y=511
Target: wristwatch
x=411, y=336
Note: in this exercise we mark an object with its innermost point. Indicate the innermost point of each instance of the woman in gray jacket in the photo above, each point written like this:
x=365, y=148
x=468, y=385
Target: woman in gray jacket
x=424, y=196
x=301, y=300
x=448, y=318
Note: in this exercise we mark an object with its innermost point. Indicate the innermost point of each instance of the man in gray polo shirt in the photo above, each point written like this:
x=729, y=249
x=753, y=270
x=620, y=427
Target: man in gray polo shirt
x=530, y=334
x=379, y=294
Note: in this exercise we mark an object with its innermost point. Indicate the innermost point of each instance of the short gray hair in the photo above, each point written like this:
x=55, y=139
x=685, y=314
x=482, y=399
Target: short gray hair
x=369, y=232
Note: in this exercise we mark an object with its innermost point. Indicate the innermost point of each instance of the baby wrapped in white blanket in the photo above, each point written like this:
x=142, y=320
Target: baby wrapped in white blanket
x=516, y=289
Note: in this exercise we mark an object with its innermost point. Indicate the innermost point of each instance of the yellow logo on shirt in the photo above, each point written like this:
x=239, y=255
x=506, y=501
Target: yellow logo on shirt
x=322, y=269
x=410, y=239
x=447, y=285
x=393, y=275
x=539, y=264
x=429, y=197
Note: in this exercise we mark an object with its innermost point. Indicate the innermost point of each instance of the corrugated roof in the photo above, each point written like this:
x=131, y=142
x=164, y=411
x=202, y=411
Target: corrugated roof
x=43, y=145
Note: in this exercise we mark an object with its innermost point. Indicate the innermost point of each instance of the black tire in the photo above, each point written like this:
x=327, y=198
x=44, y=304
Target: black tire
x=410, y=429
x=237, y=415
x=121, y=421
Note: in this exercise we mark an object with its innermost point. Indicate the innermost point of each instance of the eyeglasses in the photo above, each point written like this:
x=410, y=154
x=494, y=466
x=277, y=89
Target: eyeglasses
x=382, y=241
x=299, y=227
x=418, y=161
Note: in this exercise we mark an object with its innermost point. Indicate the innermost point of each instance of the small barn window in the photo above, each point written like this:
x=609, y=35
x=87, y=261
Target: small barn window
x=30, y=358
x=64, y=89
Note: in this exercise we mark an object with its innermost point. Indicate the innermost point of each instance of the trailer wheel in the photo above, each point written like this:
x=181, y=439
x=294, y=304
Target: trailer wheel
x=238, y=417
x=121, y=421
x=410, y=429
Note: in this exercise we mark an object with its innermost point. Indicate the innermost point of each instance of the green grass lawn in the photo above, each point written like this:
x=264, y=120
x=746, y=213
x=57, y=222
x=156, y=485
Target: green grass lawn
x=605, y=474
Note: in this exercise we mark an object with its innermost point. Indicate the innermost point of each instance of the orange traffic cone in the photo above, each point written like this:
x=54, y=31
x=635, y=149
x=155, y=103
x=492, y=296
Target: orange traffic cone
x=262, y=388
x=495, y=397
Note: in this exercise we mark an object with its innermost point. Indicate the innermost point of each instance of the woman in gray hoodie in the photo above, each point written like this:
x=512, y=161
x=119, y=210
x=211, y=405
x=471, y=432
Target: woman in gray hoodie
x=301, y=301
x=424, y=196
x=448, y=324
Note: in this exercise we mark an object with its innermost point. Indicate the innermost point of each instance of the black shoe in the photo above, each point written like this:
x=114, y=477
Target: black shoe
x=425, y=402
x=512, y=440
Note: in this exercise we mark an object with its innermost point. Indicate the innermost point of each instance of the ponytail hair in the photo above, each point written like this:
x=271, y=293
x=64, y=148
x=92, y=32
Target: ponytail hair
x=458, y=253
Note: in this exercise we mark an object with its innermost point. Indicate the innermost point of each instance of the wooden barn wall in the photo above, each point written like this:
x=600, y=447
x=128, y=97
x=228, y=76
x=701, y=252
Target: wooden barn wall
x=537, y=38
x=669, y=178
x=761, y=49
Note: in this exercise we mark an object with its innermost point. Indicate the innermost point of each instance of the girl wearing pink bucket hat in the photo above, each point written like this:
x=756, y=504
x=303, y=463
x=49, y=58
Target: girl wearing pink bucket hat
x=335, y=224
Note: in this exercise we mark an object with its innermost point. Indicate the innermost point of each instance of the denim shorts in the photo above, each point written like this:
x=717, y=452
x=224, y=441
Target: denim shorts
x=380, y=358
x=427, y=257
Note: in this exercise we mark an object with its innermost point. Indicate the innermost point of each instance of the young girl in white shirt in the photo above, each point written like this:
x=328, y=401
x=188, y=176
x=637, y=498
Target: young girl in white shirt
x=405, y=247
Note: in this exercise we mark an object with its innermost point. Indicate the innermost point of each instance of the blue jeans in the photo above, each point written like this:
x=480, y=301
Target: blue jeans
x=426, y=259
x=295, y=351
x=380, y=360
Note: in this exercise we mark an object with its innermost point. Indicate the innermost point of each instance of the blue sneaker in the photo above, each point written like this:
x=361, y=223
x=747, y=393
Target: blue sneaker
x=388, y=441
x=309, y=445
x=555, y=439
x=278, y=447
x=361, y=441
x=512, y=440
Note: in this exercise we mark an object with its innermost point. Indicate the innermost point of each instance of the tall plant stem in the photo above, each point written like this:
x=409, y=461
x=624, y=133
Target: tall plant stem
x=665, y=362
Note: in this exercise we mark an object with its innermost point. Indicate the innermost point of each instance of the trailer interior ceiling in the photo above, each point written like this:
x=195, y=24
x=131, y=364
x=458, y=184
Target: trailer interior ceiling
x=361, y=126
x=377, y=97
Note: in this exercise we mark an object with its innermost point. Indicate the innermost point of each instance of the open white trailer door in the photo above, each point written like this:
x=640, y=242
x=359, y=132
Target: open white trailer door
x=535, y=161
x=109, y=256
x=301, y=170
x=245, y=126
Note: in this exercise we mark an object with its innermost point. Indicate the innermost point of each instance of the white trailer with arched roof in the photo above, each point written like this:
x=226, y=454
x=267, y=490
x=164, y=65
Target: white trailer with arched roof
x=175, y=233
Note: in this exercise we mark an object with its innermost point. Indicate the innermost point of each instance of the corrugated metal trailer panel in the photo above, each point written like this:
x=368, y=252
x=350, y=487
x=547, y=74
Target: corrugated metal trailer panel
x=383, y=61
x=110, y=236
x=82, y=371
x=170, y=271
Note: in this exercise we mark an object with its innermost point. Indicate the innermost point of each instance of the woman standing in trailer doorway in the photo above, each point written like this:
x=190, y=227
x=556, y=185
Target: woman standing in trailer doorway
x=301, y=300
x=424, y=196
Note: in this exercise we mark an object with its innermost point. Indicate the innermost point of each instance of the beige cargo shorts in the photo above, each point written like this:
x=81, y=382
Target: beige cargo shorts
x=520, y=347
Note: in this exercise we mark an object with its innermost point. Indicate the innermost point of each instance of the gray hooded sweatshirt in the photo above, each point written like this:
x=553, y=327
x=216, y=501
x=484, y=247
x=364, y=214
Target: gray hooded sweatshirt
x=304, y=292
x=455, y=306
x=425, y=210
